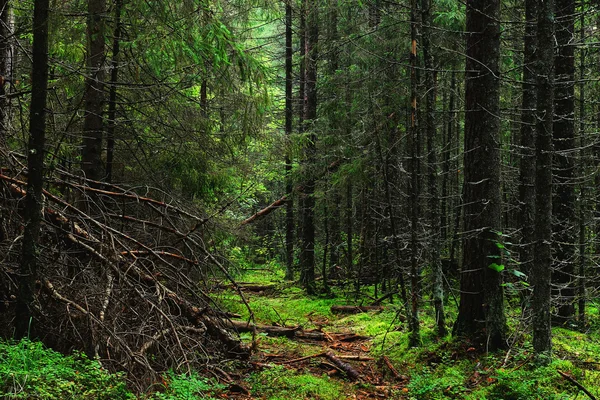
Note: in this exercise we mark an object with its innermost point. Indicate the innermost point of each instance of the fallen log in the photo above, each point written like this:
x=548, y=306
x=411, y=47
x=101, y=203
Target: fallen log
x=354, y=309
x=347, y=368
x=377, y=302
x=271, y=330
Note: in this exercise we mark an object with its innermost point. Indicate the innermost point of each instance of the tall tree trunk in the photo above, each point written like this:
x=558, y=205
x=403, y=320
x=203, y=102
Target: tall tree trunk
x=434, y=201
x=564, y=228
x=481, y=311
x=29, y=272
x=91, y=161
x=307, y=260
x=112, y=101
x=289, y=117
x=583, y=198
x=528, y=115
x=542, y=262
x=5, y=67
x=415, y=335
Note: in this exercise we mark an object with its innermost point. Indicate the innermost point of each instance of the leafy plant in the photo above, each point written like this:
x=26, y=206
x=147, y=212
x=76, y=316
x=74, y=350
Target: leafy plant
x=187, y=387
x=29, y=370
x=279, y=383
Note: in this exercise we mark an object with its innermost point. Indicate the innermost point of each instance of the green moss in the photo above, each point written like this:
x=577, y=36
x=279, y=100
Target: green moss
x=279, y=383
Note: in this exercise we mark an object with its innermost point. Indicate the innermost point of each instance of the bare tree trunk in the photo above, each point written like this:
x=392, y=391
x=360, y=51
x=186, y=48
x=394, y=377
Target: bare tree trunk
x=5, y=67
x=307, y=260
x=481, y=311
x=541, y=268
x=564, y=231
x=289, y=117
x=91, y=161
x=112, y=102
x=29, y=271
x=527, y=165
x=415, y=335
x=434, y=201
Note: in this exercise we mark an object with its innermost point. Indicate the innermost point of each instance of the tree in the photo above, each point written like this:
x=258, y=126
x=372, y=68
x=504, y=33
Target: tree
x=528, y=120
x=289, y=119
x=432, y=164
x=563, y=131
x=29, y=269
x=541, y=269
x=91, y=152
x=481, y=311
x=5, y=67
x=307, y=255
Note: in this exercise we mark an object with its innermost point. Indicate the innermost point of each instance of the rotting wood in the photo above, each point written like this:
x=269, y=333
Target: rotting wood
x=347, y=368
x=243, y=326
x=388, y=363
x=354, y=309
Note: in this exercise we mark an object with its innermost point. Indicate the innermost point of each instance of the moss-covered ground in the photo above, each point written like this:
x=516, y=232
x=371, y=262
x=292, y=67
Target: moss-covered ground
x=290, y=369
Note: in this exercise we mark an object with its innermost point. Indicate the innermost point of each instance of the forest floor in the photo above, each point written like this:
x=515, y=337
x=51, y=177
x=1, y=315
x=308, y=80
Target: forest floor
x=366, y=355
x=305, y=351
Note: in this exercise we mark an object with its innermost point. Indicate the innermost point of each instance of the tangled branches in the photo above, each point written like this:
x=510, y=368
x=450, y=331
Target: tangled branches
x=124, y=276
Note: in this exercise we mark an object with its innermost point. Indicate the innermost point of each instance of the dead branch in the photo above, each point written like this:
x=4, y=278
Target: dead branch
x=386, y=296
x=388, y=363
x=574, y=382
x=354, y=309
x=347, y=368
x=265, y=211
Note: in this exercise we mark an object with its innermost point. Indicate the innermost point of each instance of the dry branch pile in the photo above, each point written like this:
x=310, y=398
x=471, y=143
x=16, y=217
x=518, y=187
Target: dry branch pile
x=124, y=275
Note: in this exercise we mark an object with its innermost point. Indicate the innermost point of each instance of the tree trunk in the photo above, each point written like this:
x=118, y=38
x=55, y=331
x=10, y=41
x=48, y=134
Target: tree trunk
x=91, y=161
x=414, y=144
x=541, y=268
x=307, y=260
x=5, y=67
x=481, y=311
x=564, y=231
x=527, y=162
x=434, y=203
x=24, y=322
x=112, y=102
x=289, y=117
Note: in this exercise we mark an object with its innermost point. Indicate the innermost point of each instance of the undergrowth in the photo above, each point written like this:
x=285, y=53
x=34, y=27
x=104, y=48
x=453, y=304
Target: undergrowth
x=441, y=368
x=29, y=370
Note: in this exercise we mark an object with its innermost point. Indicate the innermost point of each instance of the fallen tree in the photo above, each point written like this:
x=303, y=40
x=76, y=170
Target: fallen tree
x=123, y=276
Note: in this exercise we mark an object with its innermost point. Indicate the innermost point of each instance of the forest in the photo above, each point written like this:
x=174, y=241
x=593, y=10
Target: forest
x=300, y=199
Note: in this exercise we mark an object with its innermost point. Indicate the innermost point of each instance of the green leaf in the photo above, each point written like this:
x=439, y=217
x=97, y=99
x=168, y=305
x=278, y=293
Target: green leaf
x=496, y=267
x=518, y=273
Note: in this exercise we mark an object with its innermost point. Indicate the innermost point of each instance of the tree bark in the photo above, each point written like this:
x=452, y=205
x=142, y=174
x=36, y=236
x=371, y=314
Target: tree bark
x=112, y=102
x=527, y=162
x=307, y=255
x=289, y=118
x=481, y=311
x=541, y=269
x=29, y=269
x=91, y=161
x=432, y=161
x=563, y=205
x=5, y=67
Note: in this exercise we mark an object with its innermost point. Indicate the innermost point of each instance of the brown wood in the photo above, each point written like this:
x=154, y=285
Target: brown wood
x=574, y=382
x=347, y=368
x=265, y=211
x=354, y=309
